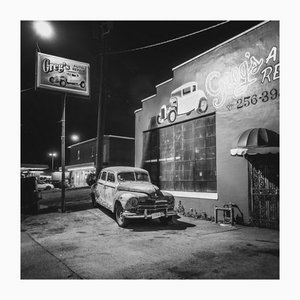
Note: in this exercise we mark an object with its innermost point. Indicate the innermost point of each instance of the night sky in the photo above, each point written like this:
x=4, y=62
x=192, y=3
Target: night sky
x=128, y=77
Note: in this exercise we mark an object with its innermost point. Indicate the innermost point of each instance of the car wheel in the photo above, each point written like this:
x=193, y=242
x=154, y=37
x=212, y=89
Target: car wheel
x=82, y=84
x=165, y=221
x=172, y=116
x=121, y=220
x=93, y=200
x=159, y=120
x=51, y=79
x=48, y=187
x=201, y=109
x=62, y=83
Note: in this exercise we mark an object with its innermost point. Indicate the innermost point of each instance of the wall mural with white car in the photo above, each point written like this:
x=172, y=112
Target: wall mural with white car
x=183, y=101
x=250, y=80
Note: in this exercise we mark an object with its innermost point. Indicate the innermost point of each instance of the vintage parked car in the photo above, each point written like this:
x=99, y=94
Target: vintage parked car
x=42, y=185
x=129, y=194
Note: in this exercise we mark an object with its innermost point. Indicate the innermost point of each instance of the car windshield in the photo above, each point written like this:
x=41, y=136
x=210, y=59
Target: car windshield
x=133, y=176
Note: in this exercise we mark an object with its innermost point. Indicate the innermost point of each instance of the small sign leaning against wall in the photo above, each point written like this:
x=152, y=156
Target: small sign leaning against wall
x=62, y=74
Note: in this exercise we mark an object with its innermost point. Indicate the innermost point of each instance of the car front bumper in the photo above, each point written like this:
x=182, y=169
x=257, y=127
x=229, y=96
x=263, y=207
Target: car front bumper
x=146, y=215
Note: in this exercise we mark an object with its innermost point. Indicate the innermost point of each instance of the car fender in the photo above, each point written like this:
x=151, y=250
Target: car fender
x=123, y=197
x=201, y=94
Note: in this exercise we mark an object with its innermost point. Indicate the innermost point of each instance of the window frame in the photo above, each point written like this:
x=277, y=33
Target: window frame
x=197, y=138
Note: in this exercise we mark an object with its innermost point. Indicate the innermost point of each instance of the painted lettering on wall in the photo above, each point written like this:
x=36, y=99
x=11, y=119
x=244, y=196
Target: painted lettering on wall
x=246, y=101
x=270, y=73
x=235, y=82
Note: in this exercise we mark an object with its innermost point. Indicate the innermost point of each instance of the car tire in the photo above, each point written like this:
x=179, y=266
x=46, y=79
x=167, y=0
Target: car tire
x=166, y=220
x=199, y=110
x=47, y=188
x=82, y=84
x=159, y=120
x=172, y=116
x=121, y=221
x=63, y=83
x=51, y=79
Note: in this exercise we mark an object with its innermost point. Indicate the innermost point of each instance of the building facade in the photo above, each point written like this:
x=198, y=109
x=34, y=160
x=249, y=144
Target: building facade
x=210, y=135
x=117, y=151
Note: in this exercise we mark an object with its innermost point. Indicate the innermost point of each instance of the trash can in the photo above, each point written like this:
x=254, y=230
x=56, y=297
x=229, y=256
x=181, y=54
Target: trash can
x=29, y=196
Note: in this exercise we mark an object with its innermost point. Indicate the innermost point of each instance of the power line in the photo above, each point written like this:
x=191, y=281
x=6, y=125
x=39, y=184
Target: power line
x=166, y=42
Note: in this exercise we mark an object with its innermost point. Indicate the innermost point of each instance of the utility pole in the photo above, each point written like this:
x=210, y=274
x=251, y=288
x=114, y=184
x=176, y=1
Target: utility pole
x=104, y=30
x=63, y=151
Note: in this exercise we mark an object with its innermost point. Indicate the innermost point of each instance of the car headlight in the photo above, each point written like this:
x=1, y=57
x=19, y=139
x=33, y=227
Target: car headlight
x=171, y=201
x=131, y=203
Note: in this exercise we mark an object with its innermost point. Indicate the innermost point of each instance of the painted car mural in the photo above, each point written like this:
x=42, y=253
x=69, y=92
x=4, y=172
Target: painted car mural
x=68, y=78
x=129, y=194
x=183, y=101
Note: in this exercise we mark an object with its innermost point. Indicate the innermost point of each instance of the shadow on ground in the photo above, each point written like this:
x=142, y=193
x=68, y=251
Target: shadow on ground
x=142, y=225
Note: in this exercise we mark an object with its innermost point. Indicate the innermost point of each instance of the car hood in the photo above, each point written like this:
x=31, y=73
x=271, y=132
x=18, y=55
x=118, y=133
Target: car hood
x=139, y=187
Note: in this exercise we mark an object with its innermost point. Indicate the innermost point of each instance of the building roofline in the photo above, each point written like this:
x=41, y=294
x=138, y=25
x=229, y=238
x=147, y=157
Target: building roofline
x=137, y=110
x=222, y=44
x=107, y=136
x=120, y=137
x=81, y=142
x=163, y=82
x=148, y=98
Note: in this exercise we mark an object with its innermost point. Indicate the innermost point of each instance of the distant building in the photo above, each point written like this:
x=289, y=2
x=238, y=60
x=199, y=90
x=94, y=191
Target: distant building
x=33, y=170
x=117, y=151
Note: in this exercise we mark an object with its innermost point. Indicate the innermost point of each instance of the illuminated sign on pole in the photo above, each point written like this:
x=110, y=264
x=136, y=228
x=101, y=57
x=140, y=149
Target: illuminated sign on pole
x=62, y=74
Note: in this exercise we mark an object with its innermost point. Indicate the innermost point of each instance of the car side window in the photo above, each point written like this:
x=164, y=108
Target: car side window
x=111, y=177
x=186, y=90
x=103, y=176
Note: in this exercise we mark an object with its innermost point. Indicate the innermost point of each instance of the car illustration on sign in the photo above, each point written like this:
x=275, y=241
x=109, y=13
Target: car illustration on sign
x=68, y=78
x=183, y=101
x=129, y=194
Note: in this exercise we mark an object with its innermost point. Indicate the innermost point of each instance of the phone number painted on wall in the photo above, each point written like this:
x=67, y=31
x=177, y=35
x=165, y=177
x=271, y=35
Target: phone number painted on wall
x=264, y=97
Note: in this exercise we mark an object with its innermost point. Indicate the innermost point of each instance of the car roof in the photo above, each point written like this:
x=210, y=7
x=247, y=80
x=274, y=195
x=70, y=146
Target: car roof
x=191, y=83
x=118, y=169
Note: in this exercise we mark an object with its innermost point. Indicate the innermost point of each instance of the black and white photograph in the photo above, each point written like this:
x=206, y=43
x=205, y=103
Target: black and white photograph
x=149, y=152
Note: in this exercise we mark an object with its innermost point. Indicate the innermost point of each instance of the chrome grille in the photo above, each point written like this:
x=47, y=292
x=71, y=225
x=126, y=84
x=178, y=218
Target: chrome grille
x=152, y=206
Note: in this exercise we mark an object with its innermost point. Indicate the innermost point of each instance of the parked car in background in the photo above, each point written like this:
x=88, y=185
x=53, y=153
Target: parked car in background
x=42, y=185
x=57, y=183
x=129, y=194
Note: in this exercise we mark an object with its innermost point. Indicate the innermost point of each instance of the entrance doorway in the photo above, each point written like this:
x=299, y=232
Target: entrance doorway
x=264, y=190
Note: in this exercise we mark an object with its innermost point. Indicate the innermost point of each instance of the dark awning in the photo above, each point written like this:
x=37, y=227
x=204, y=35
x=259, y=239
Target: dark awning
x=256, y=141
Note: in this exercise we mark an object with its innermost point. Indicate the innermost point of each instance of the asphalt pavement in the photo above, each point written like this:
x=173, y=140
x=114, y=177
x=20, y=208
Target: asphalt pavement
x=86, y=243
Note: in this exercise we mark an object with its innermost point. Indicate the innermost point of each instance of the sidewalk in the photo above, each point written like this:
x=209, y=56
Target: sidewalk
x=38, y=262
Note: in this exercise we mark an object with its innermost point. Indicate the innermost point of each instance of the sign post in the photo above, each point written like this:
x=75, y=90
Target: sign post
x=70, y=77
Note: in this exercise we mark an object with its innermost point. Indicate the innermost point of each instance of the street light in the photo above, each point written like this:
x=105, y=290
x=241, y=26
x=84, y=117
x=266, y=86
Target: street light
x=52, y=155
x=75, y=137
x=43, y=29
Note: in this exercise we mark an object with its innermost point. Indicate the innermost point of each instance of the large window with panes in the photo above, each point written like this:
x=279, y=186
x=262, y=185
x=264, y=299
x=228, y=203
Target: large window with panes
x=182, y=157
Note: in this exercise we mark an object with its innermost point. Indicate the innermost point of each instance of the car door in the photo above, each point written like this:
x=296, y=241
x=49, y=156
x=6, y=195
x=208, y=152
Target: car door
x=100, y=188
x=110, y=189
